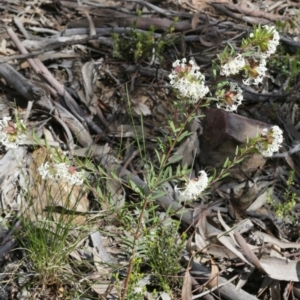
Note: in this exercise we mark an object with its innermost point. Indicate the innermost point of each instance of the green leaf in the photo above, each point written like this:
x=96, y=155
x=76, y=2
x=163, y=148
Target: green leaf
x=225, y=175
x=184, y=135
x=237, y=151
x=227, y=161
x=239, y=161
x=157, y=195
x=174, y=159
x=171, y=123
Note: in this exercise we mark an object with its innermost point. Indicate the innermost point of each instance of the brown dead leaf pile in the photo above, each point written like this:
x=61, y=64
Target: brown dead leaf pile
x=60, y=71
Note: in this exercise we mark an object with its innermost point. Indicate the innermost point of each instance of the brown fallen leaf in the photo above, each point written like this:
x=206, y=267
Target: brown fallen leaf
x=186, y=292
x=46, y=194
x=213, y=275
x=195, y=20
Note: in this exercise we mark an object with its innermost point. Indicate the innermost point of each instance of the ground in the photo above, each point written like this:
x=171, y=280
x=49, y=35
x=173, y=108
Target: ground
x=129, y=173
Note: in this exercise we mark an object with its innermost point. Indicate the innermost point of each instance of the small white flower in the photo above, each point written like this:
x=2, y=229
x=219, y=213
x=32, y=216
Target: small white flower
x=234, y=66
x=230, y=98
x=61, y=172
x=188, y=80
x=272, y=43
x=266, y=47
x=12, y=134
x=256, y=73
x=194, y=187
x=271, y=141
x=44, y=170
x=74, y=177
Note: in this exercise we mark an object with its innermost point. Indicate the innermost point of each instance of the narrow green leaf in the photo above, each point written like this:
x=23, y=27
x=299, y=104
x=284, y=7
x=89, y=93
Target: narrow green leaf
x=237, y=151
x=226, y=163
x=174, y=159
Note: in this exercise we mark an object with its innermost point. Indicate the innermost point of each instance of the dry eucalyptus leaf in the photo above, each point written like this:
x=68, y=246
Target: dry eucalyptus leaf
x=101, y=288
x=229, y=251
x=141, y=109
x=261, y=200
x=186, y=292
x=228, y=244
x=187, y=151
x=97, y=243
x=195, y=20
x=262, y=237
x=226, y=227
x=88, y=78
x=248, y=253
x=201, y=232
x=213, y=275
x=93, y=150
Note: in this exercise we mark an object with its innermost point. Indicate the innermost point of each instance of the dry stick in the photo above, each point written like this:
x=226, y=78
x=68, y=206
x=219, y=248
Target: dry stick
x=25, y=87
x=44, y=72
x=21, y=27
x=53, y=46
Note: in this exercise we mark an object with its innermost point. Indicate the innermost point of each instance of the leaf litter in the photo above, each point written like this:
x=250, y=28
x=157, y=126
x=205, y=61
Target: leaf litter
x=72, y=89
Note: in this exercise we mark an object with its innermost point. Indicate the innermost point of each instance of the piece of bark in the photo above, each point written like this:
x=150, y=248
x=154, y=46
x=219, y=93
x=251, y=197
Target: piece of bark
x=222, y=133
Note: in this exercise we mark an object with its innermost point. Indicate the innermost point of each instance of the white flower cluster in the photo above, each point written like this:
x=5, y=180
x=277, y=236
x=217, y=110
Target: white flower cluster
x=271, y=140
x=258, y=69
x=12, y=134
x=61, y=171
x=188, y=80
x=273, y=42
x=231, y=98
x=257, y=73
x=234, y=66
x=254, y=64
x=194, y=187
